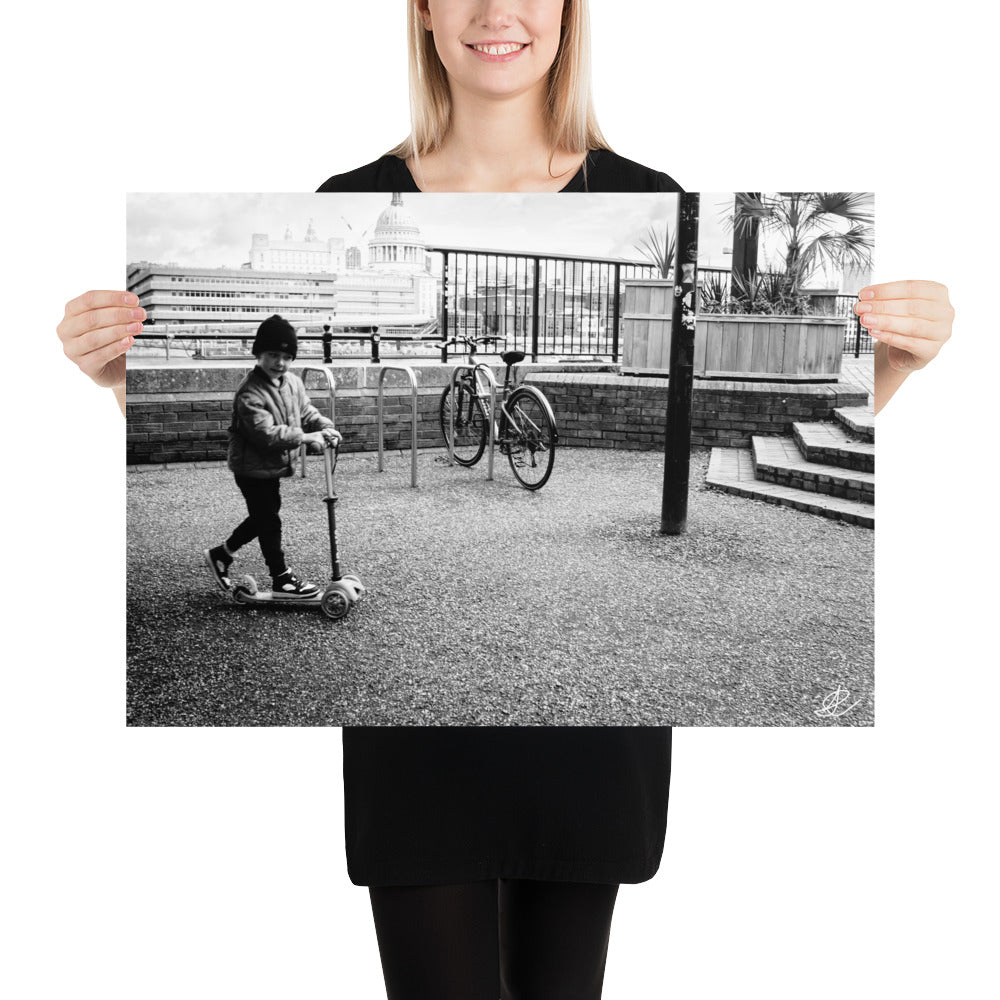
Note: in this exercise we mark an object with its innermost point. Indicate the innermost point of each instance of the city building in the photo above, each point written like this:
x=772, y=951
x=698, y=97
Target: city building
x=236, y=299
x=397, y=245
x=311, y=282
x=307, y=256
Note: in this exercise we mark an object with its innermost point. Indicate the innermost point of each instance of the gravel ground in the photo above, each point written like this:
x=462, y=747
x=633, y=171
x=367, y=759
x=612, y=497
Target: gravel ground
x=490, y=605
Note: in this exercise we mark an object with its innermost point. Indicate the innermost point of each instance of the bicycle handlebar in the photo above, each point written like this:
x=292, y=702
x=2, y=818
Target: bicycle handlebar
x=471, y=341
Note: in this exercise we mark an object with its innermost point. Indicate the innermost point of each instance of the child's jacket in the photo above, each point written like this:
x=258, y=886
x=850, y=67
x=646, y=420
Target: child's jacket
x=269, y=422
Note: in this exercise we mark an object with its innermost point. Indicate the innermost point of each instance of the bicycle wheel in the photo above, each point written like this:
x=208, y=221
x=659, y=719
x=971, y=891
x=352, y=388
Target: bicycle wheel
x=470, y=427
x=529, y=437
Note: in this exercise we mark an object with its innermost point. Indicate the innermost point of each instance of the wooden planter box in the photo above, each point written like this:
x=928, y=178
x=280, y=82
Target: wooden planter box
x=787, y=348
x=784, y=347
x=644, y=329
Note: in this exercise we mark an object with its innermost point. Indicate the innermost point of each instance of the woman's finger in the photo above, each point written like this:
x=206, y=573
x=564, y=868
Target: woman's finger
x=930, y=290
x=922, y=349
x=96, y=299
x=930, y=309
x=98, y=319
x=95, y=362
x=907, y=326
x=96, y=340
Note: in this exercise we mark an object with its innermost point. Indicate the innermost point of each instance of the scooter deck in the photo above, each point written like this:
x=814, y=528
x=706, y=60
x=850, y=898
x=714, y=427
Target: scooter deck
x=267, y=597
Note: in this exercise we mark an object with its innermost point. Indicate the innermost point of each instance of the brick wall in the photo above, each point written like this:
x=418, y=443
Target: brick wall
x=182, y=414
x=613, y=411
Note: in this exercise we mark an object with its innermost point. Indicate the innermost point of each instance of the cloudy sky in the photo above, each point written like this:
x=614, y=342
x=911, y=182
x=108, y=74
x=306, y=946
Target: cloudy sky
x=213, y=230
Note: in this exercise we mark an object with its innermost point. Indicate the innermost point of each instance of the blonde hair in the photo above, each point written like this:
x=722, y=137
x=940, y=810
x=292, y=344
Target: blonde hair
x=572, y=124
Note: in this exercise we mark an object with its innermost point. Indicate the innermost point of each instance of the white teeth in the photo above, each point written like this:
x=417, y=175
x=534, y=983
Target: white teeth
x=499, y=50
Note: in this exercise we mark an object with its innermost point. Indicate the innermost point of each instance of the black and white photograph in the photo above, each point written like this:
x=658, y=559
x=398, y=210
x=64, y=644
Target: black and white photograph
x=418, y=459
x=163, y=841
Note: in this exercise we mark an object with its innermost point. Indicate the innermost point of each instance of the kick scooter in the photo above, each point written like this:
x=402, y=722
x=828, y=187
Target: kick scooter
x=341, y=593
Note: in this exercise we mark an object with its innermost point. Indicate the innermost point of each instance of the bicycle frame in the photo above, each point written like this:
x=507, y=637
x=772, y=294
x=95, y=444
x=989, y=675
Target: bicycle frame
x=471, y=385
x=502, y=416
x=514, y=430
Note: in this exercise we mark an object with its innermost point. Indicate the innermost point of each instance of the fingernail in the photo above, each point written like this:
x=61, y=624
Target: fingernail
x=130, y=300
x=862, y=307
x=135, y=314
x=866, y=294
x=128, y=341
x=134, y=327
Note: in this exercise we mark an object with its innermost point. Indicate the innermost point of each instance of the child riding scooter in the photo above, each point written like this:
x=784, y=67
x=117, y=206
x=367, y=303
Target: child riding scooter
x=272, y=418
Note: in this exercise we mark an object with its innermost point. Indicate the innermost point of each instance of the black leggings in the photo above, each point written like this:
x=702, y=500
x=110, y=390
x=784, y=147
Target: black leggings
x=263, y=498
x=513, y=939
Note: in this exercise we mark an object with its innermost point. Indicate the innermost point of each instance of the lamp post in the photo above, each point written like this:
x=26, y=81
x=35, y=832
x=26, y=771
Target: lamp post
x=327, y=341
x=677, y=439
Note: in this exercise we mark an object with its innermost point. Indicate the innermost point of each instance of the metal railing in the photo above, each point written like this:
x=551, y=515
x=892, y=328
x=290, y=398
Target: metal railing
x=232, y=341
x=545, y=305
x=331, y=388
x=411, y=375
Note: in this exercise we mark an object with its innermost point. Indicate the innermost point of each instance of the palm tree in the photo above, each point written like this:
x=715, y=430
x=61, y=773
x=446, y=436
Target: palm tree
x=659, y=249
x=811, y=226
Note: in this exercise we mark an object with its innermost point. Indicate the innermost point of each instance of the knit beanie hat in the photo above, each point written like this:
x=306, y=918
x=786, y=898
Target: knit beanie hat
x=275, y=334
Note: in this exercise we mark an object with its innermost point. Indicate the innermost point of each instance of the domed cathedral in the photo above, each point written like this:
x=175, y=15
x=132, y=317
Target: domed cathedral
x=396, y=244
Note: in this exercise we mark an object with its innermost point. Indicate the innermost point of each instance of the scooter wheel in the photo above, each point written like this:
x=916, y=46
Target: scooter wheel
x=246, y=587
x=336, y=601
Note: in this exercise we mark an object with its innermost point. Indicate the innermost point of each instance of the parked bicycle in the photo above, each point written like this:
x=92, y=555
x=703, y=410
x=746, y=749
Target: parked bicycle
x=525, y=428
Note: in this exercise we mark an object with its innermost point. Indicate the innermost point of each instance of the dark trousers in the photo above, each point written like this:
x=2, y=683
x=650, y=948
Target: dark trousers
x=516, y=939
x=263, y=497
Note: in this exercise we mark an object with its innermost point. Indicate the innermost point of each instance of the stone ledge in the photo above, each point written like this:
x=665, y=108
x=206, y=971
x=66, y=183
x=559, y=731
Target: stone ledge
x=181, y=412
x=731, y=470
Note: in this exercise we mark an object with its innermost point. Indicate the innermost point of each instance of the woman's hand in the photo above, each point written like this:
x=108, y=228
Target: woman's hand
x=96, y=331
x=911, y=318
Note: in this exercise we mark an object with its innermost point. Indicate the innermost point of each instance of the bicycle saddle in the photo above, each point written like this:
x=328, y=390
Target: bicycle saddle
x=512, y=357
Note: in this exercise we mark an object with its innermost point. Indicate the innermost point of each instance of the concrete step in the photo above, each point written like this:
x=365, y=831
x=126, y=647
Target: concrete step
x=732, y=470
x=858, y=420
x=834, y=444
x=778, y=460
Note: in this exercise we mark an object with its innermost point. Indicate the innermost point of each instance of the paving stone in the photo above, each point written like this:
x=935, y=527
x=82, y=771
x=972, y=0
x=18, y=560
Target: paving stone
x=732, y=470
x=780, y=458
x=834, y=444
x=859, y=419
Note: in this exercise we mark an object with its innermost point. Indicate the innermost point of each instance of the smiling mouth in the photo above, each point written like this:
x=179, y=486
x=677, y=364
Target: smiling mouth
x=503, y=49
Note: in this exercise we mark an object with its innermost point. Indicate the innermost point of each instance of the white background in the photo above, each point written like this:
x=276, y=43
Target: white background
x=209, y=864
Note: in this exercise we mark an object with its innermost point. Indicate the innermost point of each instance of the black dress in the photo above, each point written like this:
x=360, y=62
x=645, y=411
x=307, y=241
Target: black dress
x=605, y=171
x=439, y=805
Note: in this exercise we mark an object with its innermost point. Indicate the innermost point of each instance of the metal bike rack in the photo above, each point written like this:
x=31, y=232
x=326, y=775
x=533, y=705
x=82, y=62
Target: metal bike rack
x=492, y=382
x=388, y=366
x=332, y=389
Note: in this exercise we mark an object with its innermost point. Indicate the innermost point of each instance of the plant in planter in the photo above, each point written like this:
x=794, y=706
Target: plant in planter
x=811, y=227
x=659, y=249
x=764, y=325
x=759, y=325
x=768, y=294
x=713, y=294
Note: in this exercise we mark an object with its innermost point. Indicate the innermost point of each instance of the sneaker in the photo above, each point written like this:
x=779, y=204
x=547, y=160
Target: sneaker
x=290, y=586
x=218, y=561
